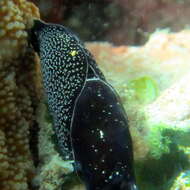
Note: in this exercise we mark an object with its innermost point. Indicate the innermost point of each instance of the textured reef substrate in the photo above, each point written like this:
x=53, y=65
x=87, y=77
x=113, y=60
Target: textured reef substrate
x=152, y=81
x=18, y=99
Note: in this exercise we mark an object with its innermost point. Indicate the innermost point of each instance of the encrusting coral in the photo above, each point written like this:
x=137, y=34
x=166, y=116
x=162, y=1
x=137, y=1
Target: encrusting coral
x=17, y=94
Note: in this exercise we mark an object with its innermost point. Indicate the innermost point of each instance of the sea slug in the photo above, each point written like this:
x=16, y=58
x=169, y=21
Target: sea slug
x=89, y=120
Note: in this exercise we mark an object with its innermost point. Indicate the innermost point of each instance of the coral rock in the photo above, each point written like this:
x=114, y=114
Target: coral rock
x=17, y=97
x=15, y=17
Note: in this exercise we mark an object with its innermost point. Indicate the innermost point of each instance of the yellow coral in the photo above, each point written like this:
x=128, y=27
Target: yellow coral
x=15, y=17
x=17, y=97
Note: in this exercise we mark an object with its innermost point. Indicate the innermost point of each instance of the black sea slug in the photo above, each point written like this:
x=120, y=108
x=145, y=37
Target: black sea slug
x=89, y=121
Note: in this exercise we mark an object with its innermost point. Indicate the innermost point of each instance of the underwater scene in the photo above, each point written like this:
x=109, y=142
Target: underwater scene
x=94, y=95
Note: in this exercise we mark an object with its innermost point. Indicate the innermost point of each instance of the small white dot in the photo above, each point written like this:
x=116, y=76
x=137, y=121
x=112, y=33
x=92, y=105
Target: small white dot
x=96, y=150
x=110, y=177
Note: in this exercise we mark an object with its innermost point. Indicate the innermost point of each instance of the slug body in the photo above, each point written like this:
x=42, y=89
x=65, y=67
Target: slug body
x=89, y=120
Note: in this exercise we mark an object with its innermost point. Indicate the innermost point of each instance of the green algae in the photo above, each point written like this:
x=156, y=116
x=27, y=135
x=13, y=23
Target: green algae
x=158, y=141
x=145, y=89
x=161, y=136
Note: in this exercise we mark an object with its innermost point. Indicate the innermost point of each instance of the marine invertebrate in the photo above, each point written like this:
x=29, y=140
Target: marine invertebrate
x=164, y=59
x=72, y=82
x=62, y=86
x=100, y=138
x=17, y=98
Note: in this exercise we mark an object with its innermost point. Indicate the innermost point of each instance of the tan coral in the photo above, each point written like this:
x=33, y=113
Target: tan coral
x=15, y=17
x=164, y=108
x=162, y=57
x=17, y=95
